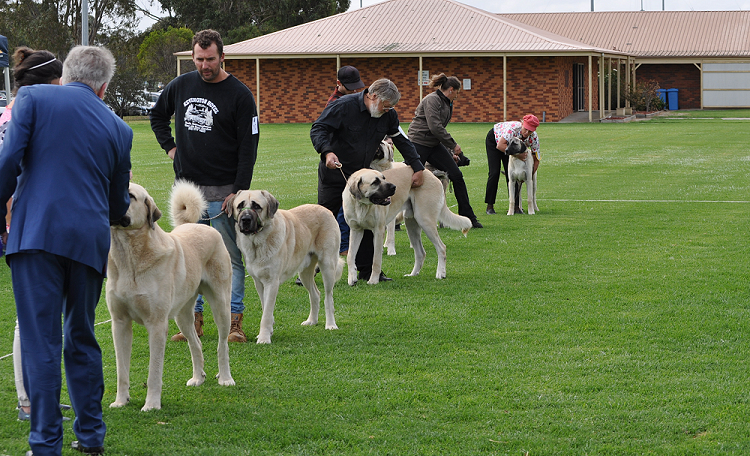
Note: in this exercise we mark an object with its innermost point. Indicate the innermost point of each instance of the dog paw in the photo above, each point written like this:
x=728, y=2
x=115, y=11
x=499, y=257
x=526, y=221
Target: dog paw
x=197, y=381
x=264, y=339
x=352, y=282
x=119, y=403
x=226, y=382
x=332, y=326
x=309, y=322
x=510, y=212
x=148, y=407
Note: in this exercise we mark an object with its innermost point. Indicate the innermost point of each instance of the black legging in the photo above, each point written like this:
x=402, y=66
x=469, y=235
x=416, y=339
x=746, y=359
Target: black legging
x=495, y=158
x=442, y=159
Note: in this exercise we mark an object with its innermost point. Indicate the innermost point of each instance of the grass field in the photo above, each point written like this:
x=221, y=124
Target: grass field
x=613, y=322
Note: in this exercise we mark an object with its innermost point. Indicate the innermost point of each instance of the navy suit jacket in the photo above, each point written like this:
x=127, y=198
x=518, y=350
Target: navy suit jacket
x=66, y=156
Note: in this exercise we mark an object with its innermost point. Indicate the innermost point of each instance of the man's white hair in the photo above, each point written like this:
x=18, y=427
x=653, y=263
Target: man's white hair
x=91, y=65
x=386, y=90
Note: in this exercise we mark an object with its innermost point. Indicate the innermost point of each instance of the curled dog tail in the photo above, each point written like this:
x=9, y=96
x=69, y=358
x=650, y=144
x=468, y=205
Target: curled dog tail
x=454, y=221
x=186, y=204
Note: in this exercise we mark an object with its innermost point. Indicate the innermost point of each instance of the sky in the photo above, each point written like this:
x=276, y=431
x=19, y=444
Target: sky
x=556, y=6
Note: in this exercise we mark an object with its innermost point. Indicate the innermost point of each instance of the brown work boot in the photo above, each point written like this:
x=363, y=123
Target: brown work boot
x=235, y=331
x=179, y=337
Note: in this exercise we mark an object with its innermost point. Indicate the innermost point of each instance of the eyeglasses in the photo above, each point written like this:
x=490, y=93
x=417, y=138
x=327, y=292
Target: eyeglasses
x=382, y=103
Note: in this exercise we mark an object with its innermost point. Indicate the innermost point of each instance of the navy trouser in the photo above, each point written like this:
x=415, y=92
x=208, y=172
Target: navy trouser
x=47, y=286
x=441, y=158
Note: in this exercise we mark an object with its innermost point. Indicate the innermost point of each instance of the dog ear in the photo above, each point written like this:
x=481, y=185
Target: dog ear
x=273, y=203
x=355, y=190
x=152, y=213
x=230, y=203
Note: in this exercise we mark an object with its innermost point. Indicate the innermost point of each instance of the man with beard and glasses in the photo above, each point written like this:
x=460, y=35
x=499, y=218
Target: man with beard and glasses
x=215, y=147
x=346, y=136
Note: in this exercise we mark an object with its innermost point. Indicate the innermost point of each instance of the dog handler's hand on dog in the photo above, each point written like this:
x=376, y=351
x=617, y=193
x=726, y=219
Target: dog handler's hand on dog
x=417, y=179
x=332, y=161
x=225, y=207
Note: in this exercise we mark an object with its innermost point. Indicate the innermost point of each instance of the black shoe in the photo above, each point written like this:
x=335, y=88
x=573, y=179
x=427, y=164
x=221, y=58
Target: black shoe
x=490, y=211
x=398, y=227
x=86, y=450
x=298, y=281
x=518, y=210
x=383, y=278
x=475, y=224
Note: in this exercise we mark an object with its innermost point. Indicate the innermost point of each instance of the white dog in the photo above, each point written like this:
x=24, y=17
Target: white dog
x=384, y=160
x=520, y=171
x=278, y=244
x=154, y=276
x=371, y=199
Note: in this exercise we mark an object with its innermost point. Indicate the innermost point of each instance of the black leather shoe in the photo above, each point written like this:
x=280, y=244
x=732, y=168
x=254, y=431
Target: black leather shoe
x=86, y=450
x=383, y=278
x=518, y=210
x=475, y=224
x=490, y=211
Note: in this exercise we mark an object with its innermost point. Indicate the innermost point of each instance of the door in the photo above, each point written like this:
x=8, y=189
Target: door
x=579, y=87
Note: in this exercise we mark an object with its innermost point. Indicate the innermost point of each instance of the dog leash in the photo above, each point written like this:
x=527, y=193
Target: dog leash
x=208, y=219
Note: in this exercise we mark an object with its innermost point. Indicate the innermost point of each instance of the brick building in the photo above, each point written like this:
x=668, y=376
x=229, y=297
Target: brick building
x=508, y=69
x=703, y=54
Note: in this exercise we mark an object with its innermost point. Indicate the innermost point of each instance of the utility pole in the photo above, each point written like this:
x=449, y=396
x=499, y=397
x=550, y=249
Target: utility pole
x=85, y=22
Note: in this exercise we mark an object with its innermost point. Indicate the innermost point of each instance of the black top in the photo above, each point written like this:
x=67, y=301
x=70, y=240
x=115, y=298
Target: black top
x=216, y=129
x=347, y=129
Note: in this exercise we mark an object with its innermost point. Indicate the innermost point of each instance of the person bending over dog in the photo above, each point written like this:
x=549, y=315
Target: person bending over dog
x=497, y=140
x=346, y=136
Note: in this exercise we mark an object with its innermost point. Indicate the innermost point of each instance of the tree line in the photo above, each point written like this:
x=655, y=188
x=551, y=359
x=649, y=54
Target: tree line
x=145, y=59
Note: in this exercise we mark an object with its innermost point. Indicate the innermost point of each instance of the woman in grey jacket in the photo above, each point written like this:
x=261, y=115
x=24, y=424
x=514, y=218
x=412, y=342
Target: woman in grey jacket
x=434, y=144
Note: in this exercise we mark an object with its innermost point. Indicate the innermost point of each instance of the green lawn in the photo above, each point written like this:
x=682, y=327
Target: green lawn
x=615, y=321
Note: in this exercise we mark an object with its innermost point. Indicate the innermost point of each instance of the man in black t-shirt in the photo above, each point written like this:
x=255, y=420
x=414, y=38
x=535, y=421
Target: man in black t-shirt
x=216, y=144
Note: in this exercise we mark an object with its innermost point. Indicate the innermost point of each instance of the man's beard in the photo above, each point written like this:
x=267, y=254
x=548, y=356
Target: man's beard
x=374, y=111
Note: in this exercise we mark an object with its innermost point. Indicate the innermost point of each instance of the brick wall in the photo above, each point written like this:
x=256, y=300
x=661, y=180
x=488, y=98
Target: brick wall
x=685, y=77
x=296, y=90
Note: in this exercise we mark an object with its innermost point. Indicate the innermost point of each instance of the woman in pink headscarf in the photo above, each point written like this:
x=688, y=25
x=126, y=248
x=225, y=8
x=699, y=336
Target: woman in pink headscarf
x=497, y=143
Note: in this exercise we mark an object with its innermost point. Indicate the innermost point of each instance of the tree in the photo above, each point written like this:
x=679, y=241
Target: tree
x=156, y=59
x=55, y=25
x=238, y=20
x=125, y=90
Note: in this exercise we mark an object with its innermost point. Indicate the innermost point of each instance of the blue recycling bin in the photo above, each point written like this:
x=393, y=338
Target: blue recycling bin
x=663, y=95
x=672, y=97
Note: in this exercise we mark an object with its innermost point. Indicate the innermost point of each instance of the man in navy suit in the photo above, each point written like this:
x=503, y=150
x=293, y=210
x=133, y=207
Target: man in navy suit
x=66, y=160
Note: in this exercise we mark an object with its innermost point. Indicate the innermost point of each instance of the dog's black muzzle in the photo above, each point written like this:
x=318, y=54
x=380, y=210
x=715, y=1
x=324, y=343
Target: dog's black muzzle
x=383, y=196
x=249, y=222
x=124, y=221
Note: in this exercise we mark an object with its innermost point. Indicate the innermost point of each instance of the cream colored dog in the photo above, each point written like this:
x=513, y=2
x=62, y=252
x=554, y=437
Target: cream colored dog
x=277, y=244
x=520, y=171
x=154, y=276
x=371, y=199
x=384, y=160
